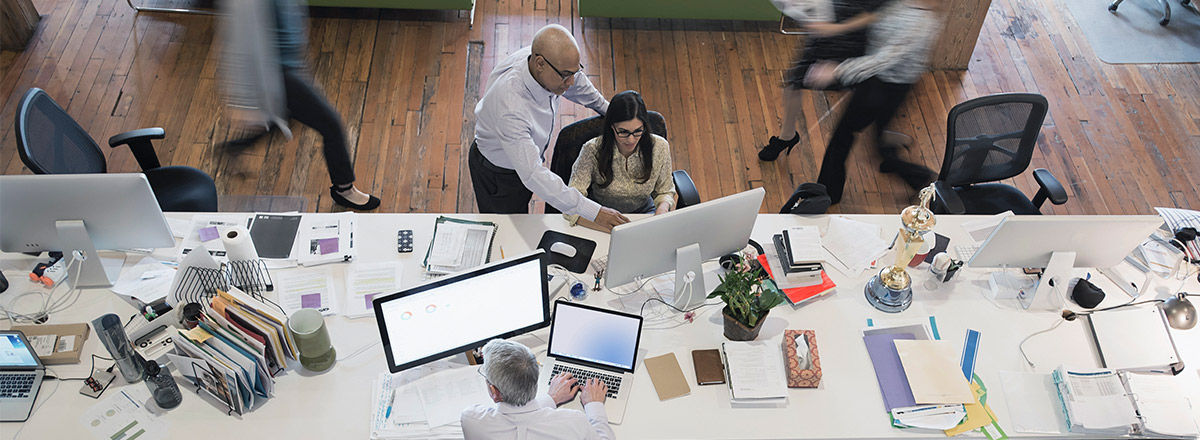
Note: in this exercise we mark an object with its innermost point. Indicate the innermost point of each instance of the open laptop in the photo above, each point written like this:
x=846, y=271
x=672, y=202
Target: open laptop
x=21, y=375
x=591, y=342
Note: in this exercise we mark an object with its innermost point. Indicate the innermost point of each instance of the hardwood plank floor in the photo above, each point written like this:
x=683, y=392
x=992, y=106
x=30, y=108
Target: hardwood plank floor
x=1120, y=137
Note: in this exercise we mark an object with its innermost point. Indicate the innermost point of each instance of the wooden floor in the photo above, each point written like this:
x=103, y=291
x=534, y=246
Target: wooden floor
x=1123, y=138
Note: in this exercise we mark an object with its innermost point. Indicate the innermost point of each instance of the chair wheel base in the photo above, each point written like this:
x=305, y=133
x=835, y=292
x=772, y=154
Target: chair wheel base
x=1112, y=8
x=1164, y=22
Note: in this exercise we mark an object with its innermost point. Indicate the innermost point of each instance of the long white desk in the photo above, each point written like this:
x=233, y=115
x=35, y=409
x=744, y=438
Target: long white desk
x=848, y=403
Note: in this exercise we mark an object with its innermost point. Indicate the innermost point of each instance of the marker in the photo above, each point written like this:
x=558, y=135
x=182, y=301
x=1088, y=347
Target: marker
x=389, y=408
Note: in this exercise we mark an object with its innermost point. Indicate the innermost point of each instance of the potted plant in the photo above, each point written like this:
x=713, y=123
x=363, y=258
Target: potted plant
x=746, y=299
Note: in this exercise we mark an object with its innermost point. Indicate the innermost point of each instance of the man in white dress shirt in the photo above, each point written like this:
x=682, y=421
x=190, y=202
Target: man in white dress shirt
x=511, y=371
x=513, y=122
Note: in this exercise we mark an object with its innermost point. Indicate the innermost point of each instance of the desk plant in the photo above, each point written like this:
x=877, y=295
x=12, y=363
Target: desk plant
x=747, y=300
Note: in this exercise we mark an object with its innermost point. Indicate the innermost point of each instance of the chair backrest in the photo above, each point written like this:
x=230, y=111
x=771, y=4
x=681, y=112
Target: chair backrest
x=992, y=137
x=572, y=137
x=51, y=142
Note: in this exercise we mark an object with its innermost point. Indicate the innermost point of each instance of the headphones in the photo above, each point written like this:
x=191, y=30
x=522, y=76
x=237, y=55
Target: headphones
x=728, y=262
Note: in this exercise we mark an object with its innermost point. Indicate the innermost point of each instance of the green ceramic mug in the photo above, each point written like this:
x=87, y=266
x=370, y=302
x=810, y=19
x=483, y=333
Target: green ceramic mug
x=312, y=339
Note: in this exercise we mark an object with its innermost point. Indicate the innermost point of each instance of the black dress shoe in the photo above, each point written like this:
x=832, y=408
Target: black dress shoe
x=776, y=146
x=372, y=203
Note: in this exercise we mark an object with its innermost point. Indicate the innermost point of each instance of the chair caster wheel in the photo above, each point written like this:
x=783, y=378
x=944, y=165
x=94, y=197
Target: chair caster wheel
x=1112, y=8
x=1164, y=22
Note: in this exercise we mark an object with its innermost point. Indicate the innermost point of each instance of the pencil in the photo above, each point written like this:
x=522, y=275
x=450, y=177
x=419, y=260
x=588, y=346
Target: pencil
x=501, y=252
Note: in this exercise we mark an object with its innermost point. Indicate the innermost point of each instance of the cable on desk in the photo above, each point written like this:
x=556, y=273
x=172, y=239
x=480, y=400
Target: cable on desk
x=91, y=370
x=359, y=351
x=49, y=304
x=1021, y=346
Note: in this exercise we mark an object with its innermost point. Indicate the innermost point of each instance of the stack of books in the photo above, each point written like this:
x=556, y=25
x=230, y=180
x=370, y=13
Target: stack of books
x=800, y=255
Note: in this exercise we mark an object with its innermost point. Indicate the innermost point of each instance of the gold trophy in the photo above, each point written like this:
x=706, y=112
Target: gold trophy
x=891, y=289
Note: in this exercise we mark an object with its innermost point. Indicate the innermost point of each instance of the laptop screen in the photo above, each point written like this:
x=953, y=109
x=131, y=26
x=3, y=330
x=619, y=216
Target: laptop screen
x=594, y=335
x=464, y=311
x=14, y=352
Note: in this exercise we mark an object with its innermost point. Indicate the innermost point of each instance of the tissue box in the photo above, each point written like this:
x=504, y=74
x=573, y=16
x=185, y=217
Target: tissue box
x=801, y=377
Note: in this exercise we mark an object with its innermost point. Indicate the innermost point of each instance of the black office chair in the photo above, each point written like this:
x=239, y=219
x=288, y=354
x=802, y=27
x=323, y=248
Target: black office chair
x=988, y=139
x=572, y=137
x=51, y=142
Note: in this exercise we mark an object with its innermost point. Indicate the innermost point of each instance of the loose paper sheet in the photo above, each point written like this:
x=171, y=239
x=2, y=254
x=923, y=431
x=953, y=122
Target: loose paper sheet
x=306, y=289
x=932, y=372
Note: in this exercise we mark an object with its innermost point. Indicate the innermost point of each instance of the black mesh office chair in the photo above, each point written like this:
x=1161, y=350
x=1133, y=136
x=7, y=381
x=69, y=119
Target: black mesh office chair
x=988, y=139
x=51, y=142
x=572, y=137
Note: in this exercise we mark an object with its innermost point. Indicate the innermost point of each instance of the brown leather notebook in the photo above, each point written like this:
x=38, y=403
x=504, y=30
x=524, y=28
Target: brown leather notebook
x=709, y=369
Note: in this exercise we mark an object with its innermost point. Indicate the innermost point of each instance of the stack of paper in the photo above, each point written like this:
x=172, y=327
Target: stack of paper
x=854, y=245
x=459, y=245
x=426, y=408
x=757, y=376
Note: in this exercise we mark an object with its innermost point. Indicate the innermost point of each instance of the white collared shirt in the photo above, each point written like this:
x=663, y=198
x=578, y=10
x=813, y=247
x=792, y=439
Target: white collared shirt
x=536, y=420
x=513, y=122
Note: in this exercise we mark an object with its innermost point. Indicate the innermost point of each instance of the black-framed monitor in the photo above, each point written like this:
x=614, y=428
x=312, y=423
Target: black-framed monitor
x=81, y=212
x=463, y=311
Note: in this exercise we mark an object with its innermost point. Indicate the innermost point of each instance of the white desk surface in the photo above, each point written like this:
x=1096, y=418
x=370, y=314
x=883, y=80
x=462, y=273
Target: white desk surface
x=848, y=403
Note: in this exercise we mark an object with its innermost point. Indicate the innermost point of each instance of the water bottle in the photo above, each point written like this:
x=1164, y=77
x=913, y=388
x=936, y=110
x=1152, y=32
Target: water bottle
x=162, y=386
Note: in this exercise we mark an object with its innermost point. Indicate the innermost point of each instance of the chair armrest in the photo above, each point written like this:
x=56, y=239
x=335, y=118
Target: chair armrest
x=685, y=189
x=948, y=198
x=1050, y=188
x=140, y=145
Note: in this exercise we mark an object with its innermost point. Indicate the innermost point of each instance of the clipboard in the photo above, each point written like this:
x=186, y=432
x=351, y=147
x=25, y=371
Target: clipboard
x=465, y=264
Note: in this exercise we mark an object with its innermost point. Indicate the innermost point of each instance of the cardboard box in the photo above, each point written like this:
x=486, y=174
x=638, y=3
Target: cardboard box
x=62, y=334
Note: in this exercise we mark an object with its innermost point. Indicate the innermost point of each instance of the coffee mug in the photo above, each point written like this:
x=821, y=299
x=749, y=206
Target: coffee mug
x=312, y=339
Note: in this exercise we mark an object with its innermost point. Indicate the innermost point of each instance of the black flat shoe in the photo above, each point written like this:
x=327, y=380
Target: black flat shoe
x=775, y=146
x=372, y=203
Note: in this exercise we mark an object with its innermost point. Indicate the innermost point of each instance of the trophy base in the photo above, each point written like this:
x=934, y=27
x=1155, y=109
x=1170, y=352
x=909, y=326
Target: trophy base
x=887, y=299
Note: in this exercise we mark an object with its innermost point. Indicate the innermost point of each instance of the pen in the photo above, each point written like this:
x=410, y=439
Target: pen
x=388, y=414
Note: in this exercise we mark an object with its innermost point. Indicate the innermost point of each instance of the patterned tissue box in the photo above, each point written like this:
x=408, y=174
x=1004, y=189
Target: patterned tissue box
x=798, y=377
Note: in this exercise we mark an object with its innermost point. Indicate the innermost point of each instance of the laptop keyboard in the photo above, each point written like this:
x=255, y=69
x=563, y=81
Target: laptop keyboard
x=613, y=382
x=965, y=252
x=16, y=386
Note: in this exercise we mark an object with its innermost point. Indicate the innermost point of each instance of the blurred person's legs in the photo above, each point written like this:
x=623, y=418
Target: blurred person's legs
x=306, y=105
x=874, y=102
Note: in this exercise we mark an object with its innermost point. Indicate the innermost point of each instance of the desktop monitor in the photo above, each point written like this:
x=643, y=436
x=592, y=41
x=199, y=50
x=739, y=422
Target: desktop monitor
x=81, y=212
x=463, y=311
x=1059, y=244
x=681, y=240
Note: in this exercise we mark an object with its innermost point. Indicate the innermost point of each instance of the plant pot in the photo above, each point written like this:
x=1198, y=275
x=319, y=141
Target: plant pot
x=736, y=331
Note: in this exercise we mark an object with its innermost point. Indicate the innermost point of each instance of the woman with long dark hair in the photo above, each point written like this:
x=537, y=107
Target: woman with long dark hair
x=626, y=168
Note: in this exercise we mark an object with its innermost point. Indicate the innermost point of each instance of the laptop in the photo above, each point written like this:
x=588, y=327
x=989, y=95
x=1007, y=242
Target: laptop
x=21, y=375
x=592, y=342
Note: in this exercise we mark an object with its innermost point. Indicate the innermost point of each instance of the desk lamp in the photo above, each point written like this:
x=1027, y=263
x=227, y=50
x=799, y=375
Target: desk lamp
x=891, y=289
x=1181, y=314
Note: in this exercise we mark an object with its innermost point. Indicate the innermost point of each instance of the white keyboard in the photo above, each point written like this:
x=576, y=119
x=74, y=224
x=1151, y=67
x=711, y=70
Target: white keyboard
x=965, y=252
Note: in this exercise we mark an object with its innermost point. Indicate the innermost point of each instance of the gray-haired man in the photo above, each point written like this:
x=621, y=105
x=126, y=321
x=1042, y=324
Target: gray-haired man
x=511, y=371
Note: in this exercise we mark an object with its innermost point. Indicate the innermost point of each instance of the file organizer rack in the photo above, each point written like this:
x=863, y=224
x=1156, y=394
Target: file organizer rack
x=251, y=276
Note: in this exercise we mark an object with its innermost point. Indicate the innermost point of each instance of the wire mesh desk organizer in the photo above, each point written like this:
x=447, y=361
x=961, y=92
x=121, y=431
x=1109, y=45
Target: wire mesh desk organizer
x=200, y=283
x=233, y=340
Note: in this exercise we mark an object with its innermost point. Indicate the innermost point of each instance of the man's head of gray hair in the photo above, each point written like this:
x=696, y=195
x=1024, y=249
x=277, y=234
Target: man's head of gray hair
x=512, y=368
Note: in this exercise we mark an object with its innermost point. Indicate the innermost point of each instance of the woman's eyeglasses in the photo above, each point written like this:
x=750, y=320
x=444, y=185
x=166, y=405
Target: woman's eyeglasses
x=625, y=134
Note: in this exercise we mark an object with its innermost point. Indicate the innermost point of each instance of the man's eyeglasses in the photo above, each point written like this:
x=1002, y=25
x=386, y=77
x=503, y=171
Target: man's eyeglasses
x=564, y=75
x=625, y=134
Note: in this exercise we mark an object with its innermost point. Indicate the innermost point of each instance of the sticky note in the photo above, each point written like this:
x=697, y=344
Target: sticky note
x=310, y=301
x=208, y=234
x=369, y=297
x=327, y=245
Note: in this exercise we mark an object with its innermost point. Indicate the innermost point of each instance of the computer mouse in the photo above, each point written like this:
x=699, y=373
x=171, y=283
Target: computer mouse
x=563, y=249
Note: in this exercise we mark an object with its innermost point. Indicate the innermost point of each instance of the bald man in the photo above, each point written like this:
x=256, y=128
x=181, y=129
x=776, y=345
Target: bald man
x=513, y=123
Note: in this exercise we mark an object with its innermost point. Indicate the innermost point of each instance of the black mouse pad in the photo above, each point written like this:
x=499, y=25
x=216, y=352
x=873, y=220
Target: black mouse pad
x=583, y=250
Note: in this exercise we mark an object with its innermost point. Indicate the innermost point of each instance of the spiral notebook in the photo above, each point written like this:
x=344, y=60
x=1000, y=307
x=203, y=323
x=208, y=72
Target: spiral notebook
x=459, y=245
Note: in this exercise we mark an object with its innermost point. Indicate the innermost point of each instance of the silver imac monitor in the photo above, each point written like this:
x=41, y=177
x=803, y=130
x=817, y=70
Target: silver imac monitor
x=81, y=212
x=464, y=311
x=680, y=240
x=1059, y=244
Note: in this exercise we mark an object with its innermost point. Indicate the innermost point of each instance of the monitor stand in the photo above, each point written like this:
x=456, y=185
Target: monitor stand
x=688, y=270
x=1047, y=297
x=90, y=271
